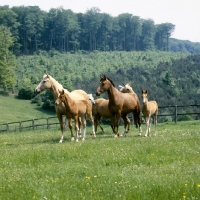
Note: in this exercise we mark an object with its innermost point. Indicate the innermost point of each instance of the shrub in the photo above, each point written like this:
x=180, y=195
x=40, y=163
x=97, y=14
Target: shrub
x=25, y=93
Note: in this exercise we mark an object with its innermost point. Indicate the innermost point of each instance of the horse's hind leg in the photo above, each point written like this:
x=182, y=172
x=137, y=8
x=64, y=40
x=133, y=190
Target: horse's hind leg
x=155, y=122
x=126, y=123
x=137, y=120
x=80, y=126
x=83, y=119
x=92, y=122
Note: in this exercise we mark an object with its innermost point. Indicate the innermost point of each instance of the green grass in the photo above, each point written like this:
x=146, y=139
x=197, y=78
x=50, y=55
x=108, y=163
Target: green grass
x=35, y=166
x=13, y=109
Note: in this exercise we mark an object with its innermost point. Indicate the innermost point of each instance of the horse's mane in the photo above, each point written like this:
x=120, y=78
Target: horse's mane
x=54, y=80
x=104, y=78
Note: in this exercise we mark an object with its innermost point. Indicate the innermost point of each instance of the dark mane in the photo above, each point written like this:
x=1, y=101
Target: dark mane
x=103, y=78
x=111, y=81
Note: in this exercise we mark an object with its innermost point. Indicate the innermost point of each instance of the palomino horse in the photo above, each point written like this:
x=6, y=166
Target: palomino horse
x=126, y=88
x=76, y=109
x=50, y=83
x=100, y=109
x=149, y=108
x=119, y=103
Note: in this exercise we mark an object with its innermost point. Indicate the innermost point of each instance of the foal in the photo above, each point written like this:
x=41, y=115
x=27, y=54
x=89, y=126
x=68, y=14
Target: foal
x=75, y=110
x=149, y=108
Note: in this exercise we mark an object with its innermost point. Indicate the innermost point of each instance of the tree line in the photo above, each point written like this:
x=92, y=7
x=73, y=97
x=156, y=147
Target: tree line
x=34, y=29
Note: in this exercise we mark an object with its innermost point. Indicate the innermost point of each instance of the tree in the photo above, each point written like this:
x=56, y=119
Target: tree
x=7, y=59
x=93, y=20
x=163, y=34
x=8, y=18
x=148, y=34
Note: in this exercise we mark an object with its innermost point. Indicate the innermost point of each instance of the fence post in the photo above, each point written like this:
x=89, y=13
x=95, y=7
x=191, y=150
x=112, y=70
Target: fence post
x=47, y=123
x=33, y=124
x=7, y=127
x=20, y=126
x=176, y=113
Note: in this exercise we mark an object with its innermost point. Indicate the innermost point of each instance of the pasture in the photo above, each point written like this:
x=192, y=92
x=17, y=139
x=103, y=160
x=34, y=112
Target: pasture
x=35, y=166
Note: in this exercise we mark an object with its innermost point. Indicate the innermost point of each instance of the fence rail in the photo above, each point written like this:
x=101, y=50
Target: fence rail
x=34, y=124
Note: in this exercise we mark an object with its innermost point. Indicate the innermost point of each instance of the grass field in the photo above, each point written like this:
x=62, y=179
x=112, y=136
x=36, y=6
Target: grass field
x=13, y=109
x=35, y=166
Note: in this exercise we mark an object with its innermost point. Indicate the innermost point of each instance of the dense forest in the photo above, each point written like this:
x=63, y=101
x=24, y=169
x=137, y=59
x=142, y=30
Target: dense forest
x=33, y=29
x=76, y=48
x=171, y=78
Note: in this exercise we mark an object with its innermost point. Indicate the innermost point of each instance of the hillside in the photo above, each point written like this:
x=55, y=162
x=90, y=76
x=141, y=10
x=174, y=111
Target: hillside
x=15, y=110
x=170, y=78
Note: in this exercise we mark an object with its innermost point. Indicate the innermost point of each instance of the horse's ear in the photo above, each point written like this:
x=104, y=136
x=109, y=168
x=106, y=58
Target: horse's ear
x=63, y=91
x=59, y=91
x=47, y=75
x=123, y=84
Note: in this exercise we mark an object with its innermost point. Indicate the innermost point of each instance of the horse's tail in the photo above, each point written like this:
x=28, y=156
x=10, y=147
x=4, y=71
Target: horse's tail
x=137, y=118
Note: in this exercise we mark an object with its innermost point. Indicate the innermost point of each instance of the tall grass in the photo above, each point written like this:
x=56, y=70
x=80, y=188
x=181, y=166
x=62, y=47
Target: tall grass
x=35, y=166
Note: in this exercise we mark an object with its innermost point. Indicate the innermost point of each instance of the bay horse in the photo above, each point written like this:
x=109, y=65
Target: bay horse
x=119, y=103
x=149, y=108
x=100, y=110
x=49, y=83
x=75, y=109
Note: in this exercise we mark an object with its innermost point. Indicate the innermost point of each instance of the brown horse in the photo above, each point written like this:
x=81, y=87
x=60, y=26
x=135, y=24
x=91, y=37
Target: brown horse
x=76, y=109
x=100, y=110
x=50, y=83
x=119, y=103
x=149, y=108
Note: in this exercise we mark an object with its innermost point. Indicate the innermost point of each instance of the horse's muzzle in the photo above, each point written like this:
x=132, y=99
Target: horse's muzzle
x=36, y=91
x=98, y=93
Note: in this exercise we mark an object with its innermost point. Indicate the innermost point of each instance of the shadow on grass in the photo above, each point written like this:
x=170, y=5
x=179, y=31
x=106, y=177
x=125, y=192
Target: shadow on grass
x=47, y=111
x=4, y=93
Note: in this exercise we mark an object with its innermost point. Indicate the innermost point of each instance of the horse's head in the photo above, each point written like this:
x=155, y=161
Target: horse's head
x=45, y=84
x=61, y=97
x=104, y=85
x=91, y=98
x=144, y=96
x=125, y=88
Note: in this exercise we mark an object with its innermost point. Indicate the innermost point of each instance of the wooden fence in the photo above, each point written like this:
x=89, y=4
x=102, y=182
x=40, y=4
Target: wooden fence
x=32, y=124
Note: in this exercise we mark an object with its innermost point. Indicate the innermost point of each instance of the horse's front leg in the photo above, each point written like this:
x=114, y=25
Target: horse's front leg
x=70, y=127
x=147, y=119
x=62, y=126
x=76, y=121
x=116, y=123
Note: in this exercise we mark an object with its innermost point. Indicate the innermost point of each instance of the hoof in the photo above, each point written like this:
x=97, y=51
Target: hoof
x=60, y=141
x=83, y=139
x=72, y=139
x=116, y=135
x=76, y=140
